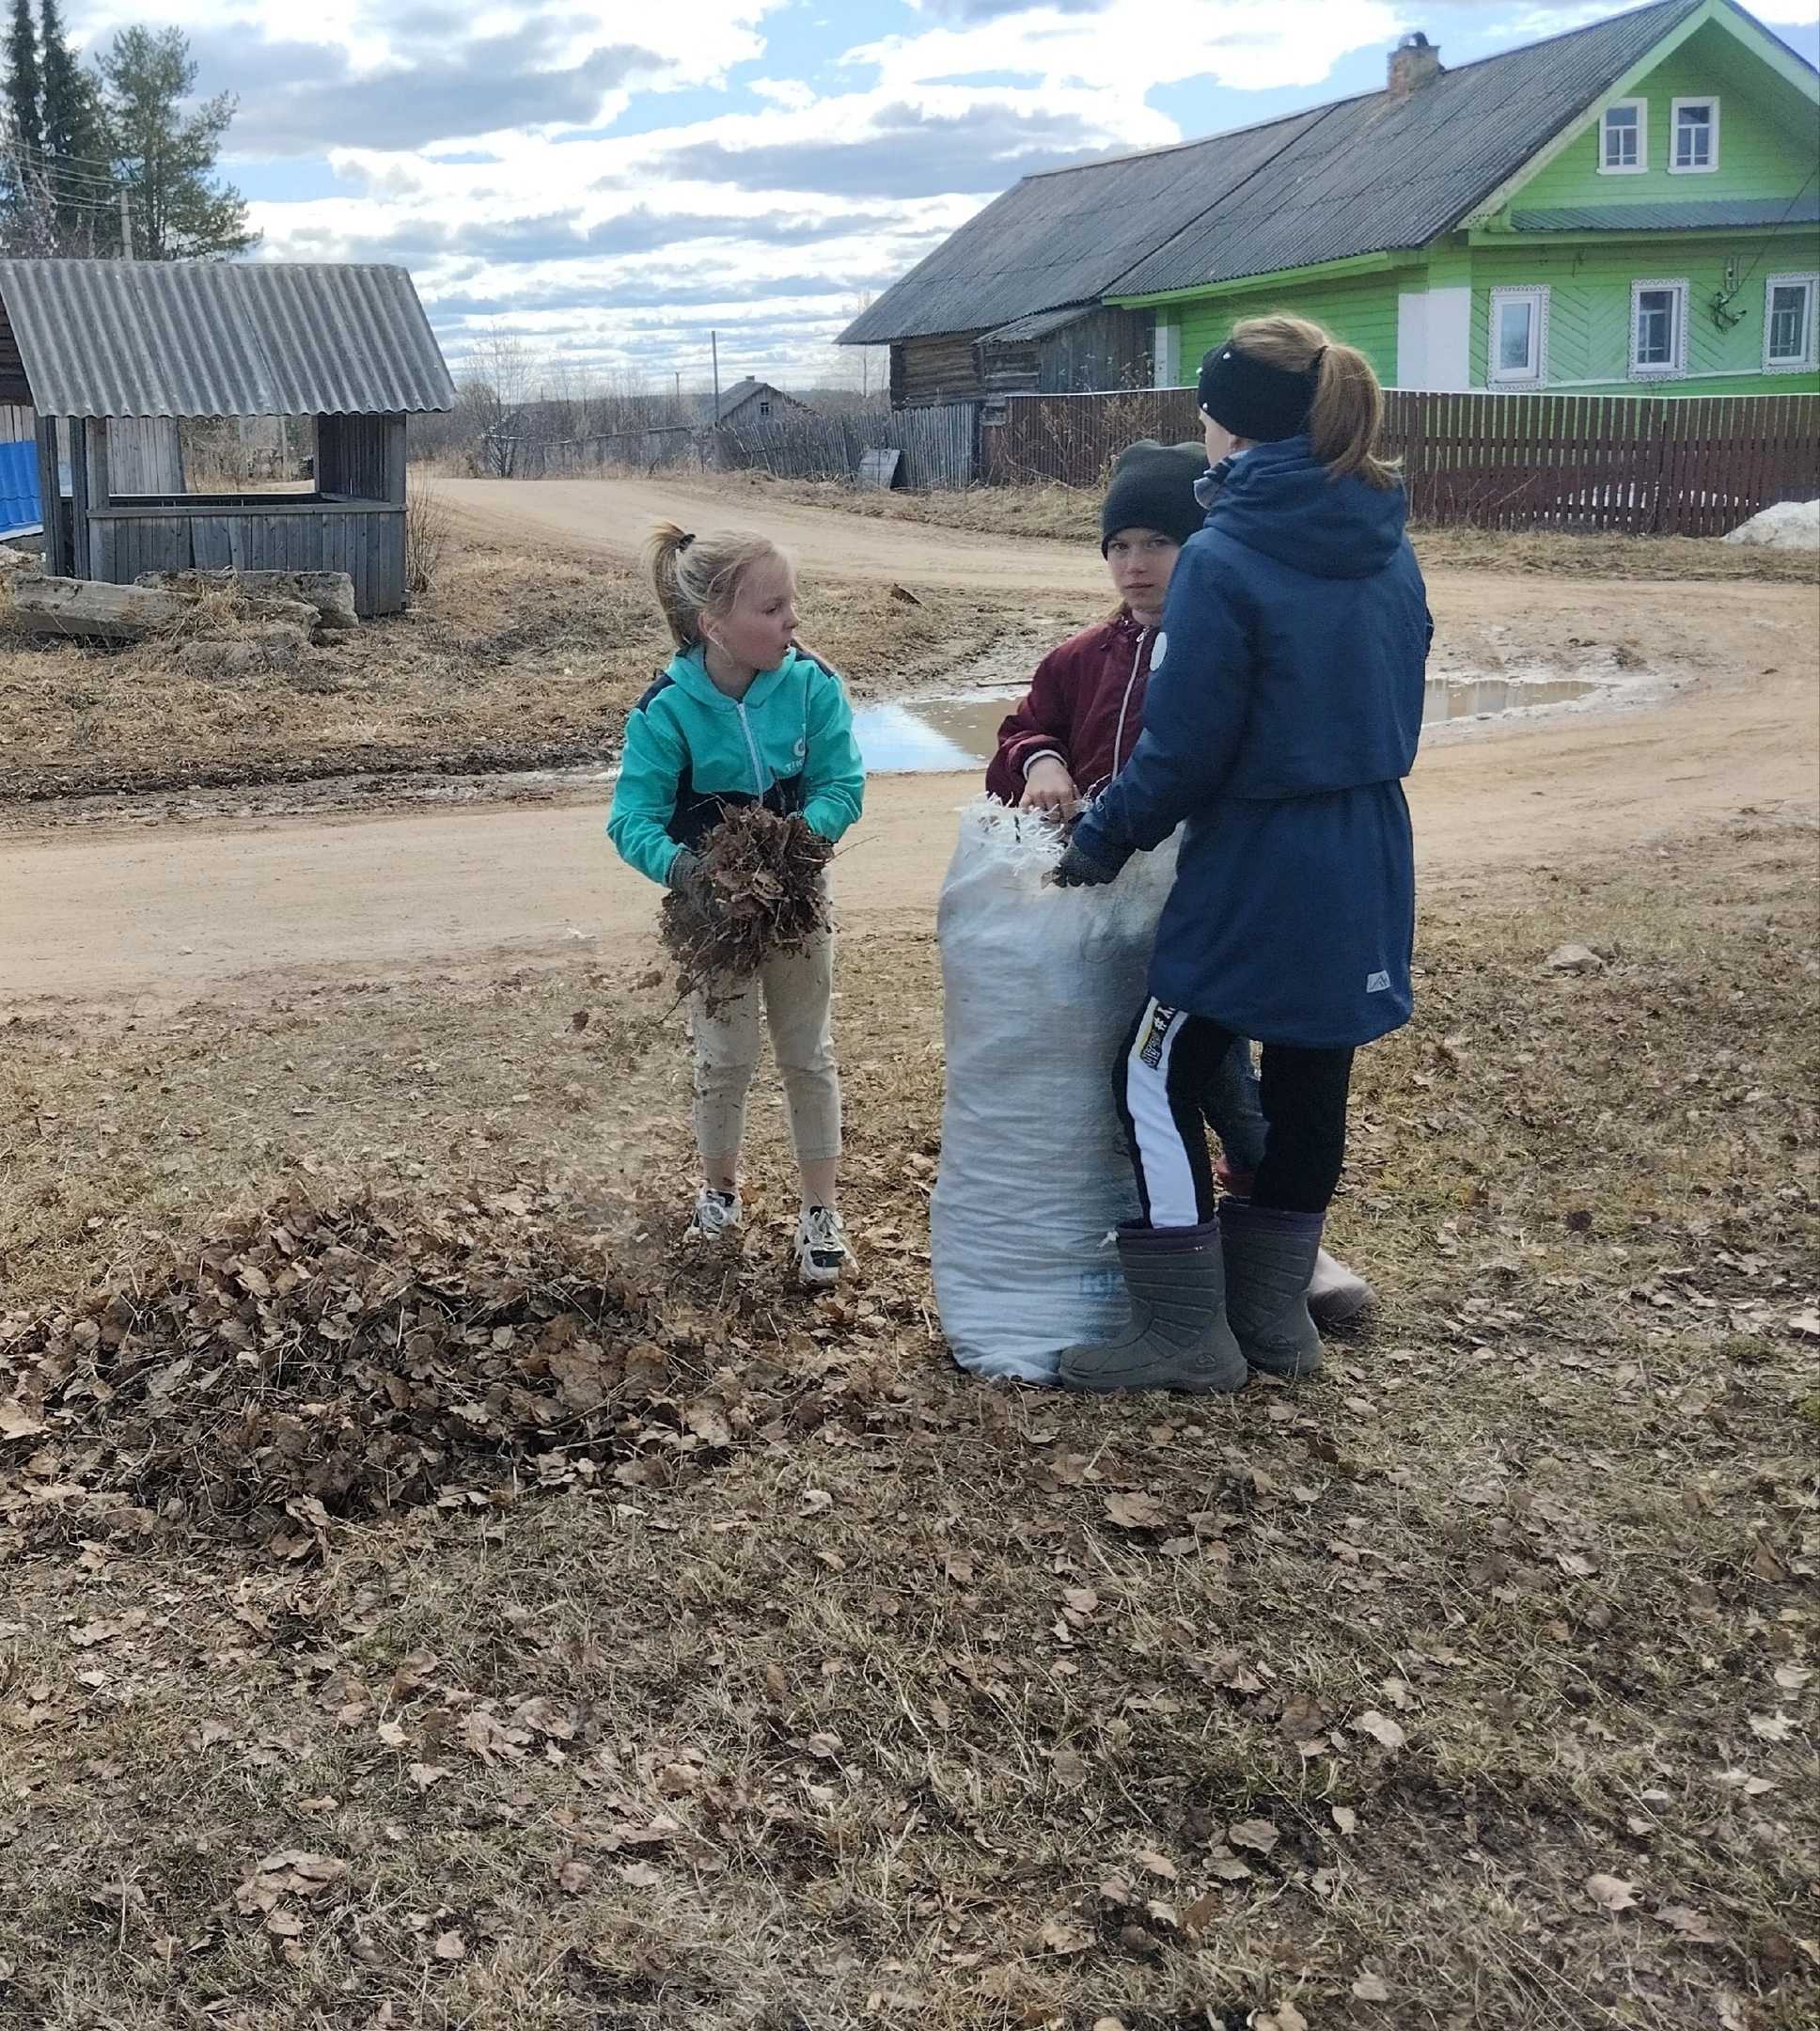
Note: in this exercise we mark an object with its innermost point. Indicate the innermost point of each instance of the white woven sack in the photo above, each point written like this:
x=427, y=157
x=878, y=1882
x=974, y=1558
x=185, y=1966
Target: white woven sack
x=1039, y=985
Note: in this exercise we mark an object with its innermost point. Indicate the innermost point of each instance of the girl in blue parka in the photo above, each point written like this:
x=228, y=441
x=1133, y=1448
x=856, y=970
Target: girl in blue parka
x=1284, y=705
x=743, y=716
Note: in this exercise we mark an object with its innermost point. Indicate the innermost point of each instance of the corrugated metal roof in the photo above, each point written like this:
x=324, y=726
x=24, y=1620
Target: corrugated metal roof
x=1671, y=217
x=1377, y=174
x=1361, y=176
x=1064, y=237
x=136, y=338
x=1039, y=325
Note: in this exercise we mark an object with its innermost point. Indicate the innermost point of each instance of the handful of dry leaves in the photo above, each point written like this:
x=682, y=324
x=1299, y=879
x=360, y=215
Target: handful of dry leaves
x=758, y=890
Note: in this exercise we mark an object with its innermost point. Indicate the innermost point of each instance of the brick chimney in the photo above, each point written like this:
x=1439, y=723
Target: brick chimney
x=1414, y=62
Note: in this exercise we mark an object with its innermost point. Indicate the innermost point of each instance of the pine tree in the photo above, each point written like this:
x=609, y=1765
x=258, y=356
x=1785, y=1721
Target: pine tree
x=76, y=144
x=164, y=158
x=24, y=93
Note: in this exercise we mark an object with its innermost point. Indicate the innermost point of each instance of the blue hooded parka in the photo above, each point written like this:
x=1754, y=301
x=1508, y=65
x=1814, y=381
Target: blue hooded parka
x=1284, y=707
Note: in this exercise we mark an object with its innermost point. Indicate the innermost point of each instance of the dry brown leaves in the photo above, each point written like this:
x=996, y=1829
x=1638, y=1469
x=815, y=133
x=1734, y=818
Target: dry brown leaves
x=315, y=1361
x=758, y=889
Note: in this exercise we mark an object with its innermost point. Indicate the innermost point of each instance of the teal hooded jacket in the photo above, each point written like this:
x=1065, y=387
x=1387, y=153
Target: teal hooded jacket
x=691, y=753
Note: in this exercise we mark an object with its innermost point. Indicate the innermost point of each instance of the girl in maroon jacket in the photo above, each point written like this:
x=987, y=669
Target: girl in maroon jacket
x=1078, y=722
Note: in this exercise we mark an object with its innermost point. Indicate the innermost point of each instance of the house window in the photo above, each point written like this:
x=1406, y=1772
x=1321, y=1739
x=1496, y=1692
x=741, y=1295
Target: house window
x=1623, y=138
x=1658, y=330
x=1695, y=136
x=764, y=409
x=1788, y=322
x=1517, y=342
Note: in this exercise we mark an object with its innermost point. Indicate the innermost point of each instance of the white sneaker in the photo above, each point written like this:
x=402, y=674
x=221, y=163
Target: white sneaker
x=820, y=1247
x=716, y=1214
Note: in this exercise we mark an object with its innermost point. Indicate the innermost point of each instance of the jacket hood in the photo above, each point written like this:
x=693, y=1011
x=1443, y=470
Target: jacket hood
x=687, y=670
x=1277, y=499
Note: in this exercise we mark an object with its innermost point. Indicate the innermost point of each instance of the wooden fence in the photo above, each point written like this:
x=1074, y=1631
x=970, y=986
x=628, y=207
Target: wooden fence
x=1641, y=466
x=939, y=444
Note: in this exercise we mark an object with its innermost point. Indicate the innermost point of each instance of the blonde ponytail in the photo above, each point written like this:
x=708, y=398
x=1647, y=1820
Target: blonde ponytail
x=693, y=575
x=1348, y=411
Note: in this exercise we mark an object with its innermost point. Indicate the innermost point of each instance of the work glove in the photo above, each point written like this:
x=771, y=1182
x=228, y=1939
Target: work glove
x=685, y=878
x=1074, y=869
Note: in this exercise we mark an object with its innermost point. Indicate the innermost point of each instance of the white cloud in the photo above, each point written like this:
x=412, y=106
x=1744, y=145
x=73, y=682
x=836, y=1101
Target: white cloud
x=765, y=220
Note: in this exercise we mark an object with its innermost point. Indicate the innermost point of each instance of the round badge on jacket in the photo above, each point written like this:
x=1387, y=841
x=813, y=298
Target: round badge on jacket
x=1159, y=650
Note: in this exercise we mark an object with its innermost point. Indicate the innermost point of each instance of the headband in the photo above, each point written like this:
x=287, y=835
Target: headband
x=1252, y=398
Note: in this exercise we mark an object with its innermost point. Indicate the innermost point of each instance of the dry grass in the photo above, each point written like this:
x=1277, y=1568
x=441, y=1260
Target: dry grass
x=429, y=531
x=1071, y=514
x=889, y=1702
x=507, y=662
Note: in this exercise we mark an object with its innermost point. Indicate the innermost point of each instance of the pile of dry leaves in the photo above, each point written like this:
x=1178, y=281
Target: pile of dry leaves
x=758, y=888
x=350, y=1359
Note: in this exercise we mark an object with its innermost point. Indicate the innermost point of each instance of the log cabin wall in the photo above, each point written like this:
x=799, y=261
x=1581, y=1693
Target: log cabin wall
x=944, y=367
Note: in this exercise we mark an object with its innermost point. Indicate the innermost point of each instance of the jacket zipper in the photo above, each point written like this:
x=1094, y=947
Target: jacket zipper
x=759, y=782
x=1125, y=703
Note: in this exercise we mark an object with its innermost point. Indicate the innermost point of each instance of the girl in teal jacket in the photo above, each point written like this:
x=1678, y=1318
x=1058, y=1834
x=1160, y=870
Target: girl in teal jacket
x=743, y=716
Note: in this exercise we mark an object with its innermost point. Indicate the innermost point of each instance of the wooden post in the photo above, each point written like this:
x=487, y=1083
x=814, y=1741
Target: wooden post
x=79, y=496
x=392, y=444
x=50, y=499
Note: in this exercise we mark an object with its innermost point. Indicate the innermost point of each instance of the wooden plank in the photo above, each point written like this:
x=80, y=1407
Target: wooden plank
x=208, y=541
x=79, y=497
x=392, y=448
x=51, y=498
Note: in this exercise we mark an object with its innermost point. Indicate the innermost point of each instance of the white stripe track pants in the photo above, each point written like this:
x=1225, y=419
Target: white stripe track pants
x=1171, y=1064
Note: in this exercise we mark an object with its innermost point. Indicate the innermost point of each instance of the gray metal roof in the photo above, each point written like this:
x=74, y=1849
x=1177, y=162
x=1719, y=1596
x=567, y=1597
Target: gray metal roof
x=1039, y=325
x=1362, y=176
x=138, y=338
x=1066, y=236
x=1689, y=217
x=1377, y=174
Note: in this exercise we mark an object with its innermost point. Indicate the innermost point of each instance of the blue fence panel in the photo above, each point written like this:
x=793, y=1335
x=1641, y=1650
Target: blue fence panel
x=22, y=512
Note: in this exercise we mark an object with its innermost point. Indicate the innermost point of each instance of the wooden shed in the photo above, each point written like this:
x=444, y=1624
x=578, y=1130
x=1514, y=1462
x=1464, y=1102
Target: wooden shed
x=100, y=350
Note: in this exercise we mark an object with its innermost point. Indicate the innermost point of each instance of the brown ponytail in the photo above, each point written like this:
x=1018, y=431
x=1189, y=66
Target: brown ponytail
x=693, y=575
x=1348, y=409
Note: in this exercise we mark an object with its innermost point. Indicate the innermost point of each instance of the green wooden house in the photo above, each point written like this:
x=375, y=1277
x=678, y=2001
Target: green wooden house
x=1630, y=207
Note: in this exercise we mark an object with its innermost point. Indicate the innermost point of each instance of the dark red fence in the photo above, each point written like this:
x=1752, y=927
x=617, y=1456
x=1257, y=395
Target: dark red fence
x=1641, y=466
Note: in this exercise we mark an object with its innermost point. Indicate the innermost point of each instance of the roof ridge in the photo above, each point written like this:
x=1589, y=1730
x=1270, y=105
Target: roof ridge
x=1675, y=8
x=1194, y=141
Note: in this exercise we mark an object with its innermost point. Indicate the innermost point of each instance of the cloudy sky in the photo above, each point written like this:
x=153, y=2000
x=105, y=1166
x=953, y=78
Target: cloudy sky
x=604, y=185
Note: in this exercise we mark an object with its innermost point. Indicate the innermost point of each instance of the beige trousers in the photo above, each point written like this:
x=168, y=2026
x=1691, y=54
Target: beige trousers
x=793, y=991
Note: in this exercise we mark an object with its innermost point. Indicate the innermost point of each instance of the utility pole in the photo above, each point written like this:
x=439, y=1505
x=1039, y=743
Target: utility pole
x=126, y=223
x=713, y=341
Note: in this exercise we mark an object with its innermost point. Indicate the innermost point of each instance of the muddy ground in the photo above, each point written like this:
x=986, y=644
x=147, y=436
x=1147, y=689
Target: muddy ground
x=537, y=634
x=431, y=1596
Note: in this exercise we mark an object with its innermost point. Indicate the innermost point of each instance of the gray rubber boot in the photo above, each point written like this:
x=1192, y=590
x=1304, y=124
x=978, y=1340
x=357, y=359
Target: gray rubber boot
x=1269, y=1259
x=1336, y=1292
x=1177, y=1337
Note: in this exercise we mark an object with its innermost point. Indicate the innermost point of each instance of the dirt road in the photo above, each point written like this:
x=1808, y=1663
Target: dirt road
x=612, y=515
x=158, y=915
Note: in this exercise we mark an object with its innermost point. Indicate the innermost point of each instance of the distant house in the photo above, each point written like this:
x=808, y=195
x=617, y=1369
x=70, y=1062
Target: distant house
x=1628, y=208
x=749, y=401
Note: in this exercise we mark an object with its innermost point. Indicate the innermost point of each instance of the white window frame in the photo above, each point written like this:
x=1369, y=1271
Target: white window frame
x=1709, y=167
x=1801, y=278
x=1537, y=373
x=1677, y=366
x=1608, y=167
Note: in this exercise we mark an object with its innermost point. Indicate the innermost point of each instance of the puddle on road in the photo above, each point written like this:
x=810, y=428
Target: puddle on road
x=956, y=733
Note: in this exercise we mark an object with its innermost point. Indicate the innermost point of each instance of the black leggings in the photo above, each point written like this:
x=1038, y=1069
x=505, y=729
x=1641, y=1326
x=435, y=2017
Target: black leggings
x=1169, y=1062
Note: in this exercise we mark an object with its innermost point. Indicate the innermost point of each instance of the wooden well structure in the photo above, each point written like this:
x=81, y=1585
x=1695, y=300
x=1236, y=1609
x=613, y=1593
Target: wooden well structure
x=112, y=355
